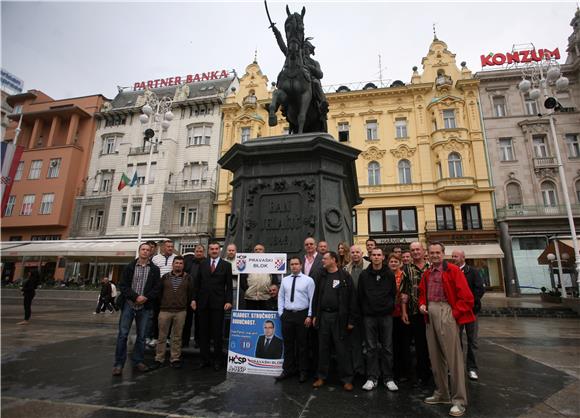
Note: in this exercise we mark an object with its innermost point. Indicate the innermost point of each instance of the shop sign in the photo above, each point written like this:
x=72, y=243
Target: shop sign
x=177, y=80
x=517, y=57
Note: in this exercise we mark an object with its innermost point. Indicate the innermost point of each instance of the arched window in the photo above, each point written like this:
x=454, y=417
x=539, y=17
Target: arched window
x=549, y=193
x=374, y=173
x=455, y=167
x=404, y=172
x=578, y=191
x=514, y=195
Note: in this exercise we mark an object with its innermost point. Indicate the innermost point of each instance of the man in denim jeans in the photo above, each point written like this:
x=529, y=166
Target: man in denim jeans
x=140, y=286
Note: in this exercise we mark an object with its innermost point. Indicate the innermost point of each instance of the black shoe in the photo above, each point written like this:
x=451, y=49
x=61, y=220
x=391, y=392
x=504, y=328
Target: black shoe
x=156, y=365
x=303, y=377
x=175, y=364
x=201, y=365
x=284, y=375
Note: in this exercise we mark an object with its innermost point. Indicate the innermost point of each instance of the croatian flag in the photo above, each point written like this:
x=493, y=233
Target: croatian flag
x=10, y=157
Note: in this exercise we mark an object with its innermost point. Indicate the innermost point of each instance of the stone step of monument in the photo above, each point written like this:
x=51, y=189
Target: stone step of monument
x=514, y=312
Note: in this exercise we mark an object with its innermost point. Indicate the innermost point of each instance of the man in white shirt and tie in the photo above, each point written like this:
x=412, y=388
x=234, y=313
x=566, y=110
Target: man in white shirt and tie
x=295, y=310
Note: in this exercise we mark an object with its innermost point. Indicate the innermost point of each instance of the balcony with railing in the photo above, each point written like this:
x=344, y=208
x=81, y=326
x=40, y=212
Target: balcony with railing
x=545, y=162
x=515, y=212
x=142, y=150
x=185, y=229
x=482, y=230
x=455, y=188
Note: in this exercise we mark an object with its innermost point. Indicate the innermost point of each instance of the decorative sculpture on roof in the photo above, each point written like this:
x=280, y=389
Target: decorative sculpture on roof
x=299, y=91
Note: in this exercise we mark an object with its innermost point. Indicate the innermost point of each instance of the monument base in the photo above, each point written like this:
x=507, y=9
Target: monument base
x=287, y=188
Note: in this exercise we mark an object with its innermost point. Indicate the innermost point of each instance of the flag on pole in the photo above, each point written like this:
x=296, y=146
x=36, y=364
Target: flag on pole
x=134, y=180
x=9, y=160
x=124, y=182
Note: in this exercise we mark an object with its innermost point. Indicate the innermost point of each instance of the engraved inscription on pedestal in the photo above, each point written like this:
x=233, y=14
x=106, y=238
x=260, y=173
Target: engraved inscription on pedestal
x=280, y=224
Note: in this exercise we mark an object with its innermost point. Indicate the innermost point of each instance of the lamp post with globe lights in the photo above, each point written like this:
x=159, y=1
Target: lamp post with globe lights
x=544, y=78
x=156, y=113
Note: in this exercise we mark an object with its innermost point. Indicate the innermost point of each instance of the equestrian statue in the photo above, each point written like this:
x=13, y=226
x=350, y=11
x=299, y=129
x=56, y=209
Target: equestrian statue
x=298, y=89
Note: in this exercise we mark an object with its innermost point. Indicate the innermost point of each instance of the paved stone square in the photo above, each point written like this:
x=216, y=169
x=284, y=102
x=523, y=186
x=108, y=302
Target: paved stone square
x=60, y=366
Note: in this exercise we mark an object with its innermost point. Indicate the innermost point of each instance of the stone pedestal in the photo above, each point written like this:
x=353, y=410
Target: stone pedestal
x=287, y=188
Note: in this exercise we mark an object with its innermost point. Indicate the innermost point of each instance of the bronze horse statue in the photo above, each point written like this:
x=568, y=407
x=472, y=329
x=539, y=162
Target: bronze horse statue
x=298, y=89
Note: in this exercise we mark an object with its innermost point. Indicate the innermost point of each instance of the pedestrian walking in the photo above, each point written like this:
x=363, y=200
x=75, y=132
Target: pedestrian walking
x=28, y=289
x=105, y=297
x=447, y=302
x=140, y=287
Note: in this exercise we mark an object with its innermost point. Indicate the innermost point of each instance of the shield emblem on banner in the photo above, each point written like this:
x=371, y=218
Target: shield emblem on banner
x=241, y=263
x=280, y=264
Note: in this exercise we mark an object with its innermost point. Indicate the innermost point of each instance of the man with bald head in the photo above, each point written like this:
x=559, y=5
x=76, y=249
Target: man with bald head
x=475, y=282
x=312, y=262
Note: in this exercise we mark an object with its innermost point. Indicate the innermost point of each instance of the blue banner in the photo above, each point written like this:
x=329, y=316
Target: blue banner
x=255, y=343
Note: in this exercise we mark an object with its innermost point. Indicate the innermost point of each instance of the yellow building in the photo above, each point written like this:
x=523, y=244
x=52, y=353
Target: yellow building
x=423, y=170
x=245, y=116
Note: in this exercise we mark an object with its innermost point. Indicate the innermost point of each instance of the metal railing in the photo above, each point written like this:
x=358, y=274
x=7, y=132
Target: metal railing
x=440, y=226
x=525, y=211
x=142, y=150
x=183, y=228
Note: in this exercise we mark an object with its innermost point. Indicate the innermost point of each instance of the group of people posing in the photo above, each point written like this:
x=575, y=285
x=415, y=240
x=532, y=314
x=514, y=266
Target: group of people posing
x=366, y=310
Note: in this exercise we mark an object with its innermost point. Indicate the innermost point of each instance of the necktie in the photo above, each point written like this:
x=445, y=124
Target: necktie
x=212, y=266
x=293, y=287
x=267, y=343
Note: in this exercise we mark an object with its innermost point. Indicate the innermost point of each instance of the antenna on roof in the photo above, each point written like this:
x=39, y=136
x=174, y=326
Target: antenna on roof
x=256, y=56
x=434, y=32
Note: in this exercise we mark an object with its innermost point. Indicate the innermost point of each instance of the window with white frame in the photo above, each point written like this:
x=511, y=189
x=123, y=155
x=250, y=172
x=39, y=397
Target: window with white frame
x=513, y=195
x=499, y=106
x=405, y=172
x=199, y=134
x=135, y=215
x=531, y=106
x=374, y=170
x=46, y=204
x=549, y=194
x=573, y=145
x=96, y=219
x=506, y=149
x=10, y=206
x=106, y=181
x=343, y=131
x=123, y=215
x=195, y=173
x=372, y=130
x=455, y=166
x=27, y=203
x=187, y=216
x=245, y=134
x=35, y=168
x=109, y=144
x=53, y=168
x=449, y=119
x=141, y=170
x=19, y=171
x=540, y=146
x=439, y=169
x=401, y=127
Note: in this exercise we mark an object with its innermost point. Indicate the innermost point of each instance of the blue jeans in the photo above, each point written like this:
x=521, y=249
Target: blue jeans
x=142, y=318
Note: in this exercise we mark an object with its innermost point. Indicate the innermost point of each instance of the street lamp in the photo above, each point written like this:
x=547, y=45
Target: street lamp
x=545, y=78
x=155, y=112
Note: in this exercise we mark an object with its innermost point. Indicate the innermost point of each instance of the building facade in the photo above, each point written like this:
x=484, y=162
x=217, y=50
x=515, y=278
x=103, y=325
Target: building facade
x=183, y=174
x=57, y=136
x=528, y=191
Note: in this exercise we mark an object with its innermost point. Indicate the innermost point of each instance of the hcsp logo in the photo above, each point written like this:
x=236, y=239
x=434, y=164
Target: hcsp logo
x=241, y=262
x=280, y=264
x=237, y=360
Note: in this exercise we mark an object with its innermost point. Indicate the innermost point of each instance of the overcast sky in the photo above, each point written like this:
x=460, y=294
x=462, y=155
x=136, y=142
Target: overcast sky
x=73, y=49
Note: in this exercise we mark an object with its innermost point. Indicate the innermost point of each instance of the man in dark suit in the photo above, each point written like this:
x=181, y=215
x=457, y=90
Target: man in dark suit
x=475, y=282
x=269, y=346
x=312, y=262
x=192, y=262
x=212, y=296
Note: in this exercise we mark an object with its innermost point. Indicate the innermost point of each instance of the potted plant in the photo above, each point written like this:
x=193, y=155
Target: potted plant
x=551, y=296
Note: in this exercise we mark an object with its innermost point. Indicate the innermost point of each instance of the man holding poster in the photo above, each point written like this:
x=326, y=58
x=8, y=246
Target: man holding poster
x=295, y=309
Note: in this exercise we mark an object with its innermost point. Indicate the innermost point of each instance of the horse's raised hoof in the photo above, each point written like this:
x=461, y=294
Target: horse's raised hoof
x=272, y=120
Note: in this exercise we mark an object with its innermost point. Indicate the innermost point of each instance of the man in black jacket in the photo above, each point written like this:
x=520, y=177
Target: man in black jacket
x=475, y=282
x=335, y=312
x=212, y=296
x=192, y=263
x=269, y=346
x=376, y=294
x=140, y=287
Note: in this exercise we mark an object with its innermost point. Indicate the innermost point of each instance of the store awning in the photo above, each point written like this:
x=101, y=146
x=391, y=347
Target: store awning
x=72, y=249
x=476, y=250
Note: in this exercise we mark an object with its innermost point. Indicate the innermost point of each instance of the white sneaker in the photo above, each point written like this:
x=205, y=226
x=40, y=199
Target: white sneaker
x=153, y=343
x=392, y=386
x=473, y=375
x=369, y=385
x=457, y=410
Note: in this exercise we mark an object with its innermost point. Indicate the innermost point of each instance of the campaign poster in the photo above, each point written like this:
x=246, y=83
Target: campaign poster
x=255, y=343
x=272, y=263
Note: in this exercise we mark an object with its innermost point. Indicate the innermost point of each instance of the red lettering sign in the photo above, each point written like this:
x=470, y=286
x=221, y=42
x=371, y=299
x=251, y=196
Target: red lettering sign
x=177, y=80
x=524, y=56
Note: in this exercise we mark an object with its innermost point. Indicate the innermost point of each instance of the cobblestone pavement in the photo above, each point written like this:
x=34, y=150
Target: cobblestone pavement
x=60, y=366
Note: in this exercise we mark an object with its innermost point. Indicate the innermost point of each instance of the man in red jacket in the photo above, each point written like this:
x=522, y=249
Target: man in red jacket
x=447, y=302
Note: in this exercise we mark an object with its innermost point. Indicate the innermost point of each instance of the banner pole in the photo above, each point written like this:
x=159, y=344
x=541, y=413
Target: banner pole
x=238, y=293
